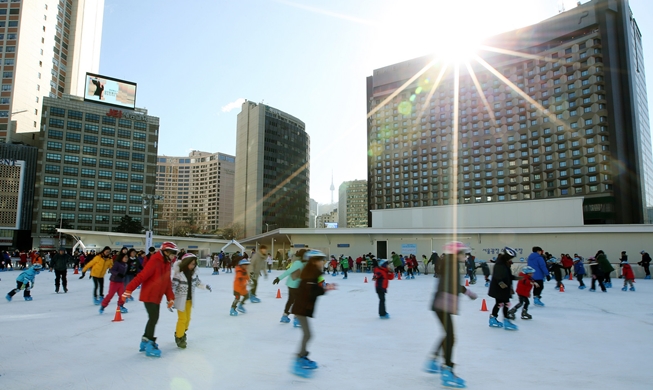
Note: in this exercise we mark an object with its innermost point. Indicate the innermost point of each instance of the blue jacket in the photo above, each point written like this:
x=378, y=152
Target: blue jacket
x=294, y=271
x=536, y=261
x=27, y=276
x=579, y=268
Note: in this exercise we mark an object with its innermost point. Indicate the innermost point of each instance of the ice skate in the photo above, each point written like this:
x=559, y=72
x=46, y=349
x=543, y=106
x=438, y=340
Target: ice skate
x=181, y=343
x=65, y=290
x=450, y=380
x=8, y=297
x=487, y=284
x=101, y=311
x=432, y=366
x=285, y=319
x=96, y=301
x=233, y=312
x=254, y=299
x=300, y=370
x=632, y=288
x=581, y=287
x=385, y=317
x=296, y=324
x=241, y=309
x=525, y=315
x=538, y=302
x=592, y=289
x=647, y=277
x=123, y=309
x=152, y=349
x=494, y=323
x=624, y=288
x=28, y=298
x=507, y=325
x=511, y=314
x=307, y=363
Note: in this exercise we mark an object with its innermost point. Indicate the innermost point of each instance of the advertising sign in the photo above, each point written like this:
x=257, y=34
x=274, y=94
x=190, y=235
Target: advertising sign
x=409, y=249
x=108, y=90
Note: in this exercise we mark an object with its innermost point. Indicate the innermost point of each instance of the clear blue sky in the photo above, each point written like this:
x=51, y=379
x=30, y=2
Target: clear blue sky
x=308, y=58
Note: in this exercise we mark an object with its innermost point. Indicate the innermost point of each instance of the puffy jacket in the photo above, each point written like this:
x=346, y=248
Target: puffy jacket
x=180, y=286
x=449, y=286
x=627, y=271
x=536, y=261
x=567, y=262
x=118, y=271
x=311, y=287
x=240, y=281
x=604, y=263
x=155, y=280
x=99, y=266
x=27, y=276
x=344, y=262
x=60, y=262
x=524, y=285
x=579, y=268
x=396, y=260
x=294, y=271
x=133, y=266
x=383, y=276
x=501, y=273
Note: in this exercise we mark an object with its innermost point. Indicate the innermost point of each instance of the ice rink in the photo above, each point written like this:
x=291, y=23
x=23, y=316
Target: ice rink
x=580, y=340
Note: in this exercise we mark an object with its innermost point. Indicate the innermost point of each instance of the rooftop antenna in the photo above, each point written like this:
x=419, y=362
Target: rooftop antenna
x=333, y=188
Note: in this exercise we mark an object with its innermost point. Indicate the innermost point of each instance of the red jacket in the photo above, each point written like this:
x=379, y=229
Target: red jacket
x=567, y=262
x=524, y=285
x=383, y=275
x=155, y=278
x=627, y=272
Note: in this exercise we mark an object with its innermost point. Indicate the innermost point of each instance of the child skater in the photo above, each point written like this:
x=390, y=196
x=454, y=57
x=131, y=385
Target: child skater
x=524, y=287
x=579, y=270
x=25, y=281
x=486, y=272
x=501, y=289
x=240, y=288
x=293, y=283
x=628, y=274
x=99, y=266
x=216, y=265
x=383, y=275
x=184, y=281
x=312, y=285
x=445, y=304
x=116, y=282
x=156, y=282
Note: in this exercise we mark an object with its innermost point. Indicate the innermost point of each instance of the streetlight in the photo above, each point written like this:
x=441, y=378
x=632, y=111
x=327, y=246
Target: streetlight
x=148, y=201
x=267, y=228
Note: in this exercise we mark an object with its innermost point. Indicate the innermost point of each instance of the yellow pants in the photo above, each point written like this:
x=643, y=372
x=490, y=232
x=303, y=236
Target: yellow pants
x=183, y=319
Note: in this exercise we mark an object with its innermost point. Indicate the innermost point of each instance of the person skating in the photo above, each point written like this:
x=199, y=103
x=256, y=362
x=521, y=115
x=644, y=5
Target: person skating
x=60, y=265
x=133, y=268
x=312, y=285
x=117, y=283
x=397, y=264
x=597, y=274
x=240, y=288
x=216, y=265
x=486, y=272
x=383, y=275
x=524, y=287
x=470, y=265
x=645, y=263
x=501, y=289
x=579, y=270
x=434, y=260
x=606, y=267
x=445, y=304
x=155, y=281
x=556, y=267
x=628, y=274
x=425, y=261
x=536, y=261
x=99, y=266
x=184, y=281
x=259, y=262
x=293, y=284
x=25, y=280
x=344, y=265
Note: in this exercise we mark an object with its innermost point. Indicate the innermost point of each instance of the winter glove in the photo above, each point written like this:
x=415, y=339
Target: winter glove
x=209, y=288
x=171, y=304
x=83, y=274
x=126, y=295
x=471, y=294
x=548, y=278
x=275, y=281
x=502, y=285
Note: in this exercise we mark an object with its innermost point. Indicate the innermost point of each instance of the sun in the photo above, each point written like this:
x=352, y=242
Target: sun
x=457, y=49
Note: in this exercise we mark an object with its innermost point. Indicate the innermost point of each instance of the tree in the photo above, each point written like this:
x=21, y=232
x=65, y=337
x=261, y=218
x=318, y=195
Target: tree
x=129, y=225
x=231, y=232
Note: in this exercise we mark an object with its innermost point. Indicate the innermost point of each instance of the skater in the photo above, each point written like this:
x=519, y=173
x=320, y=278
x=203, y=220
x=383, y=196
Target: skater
x=117, y=282
x=184, y=281
x=133, y=268
x=597, y=274
x=258, y=266
x=383, y=275
x=434, y=260
x=486, y=272
x=579, y=270
x=216, y=265
x=344, y=265
x=334, y=265
x=556, y=268
x=567, y=264
x=536, y=261
x=645, y=263
x=606, y=267
x=524, y=287
x=293, y=284
x=445, y=304
x=240, y=288
x=60, y=264
x=312, y=285
x=629, y=275
x=470, y=264
x=270, y=261
x=25, y=281
x=425, y=262
x=397, y=264
x=155, y=281
x=99, y=266
x=501, y=289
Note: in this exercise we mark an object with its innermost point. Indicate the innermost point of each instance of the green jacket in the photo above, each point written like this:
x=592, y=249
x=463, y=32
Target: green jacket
x=345, y=262
x=396, y=260
x=604, y=264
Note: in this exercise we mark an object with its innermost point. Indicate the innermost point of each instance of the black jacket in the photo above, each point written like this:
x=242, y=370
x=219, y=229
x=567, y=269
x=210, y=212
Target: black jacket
x=60, y=262
x=309, y=289
x=133, y=266
x=501, y=273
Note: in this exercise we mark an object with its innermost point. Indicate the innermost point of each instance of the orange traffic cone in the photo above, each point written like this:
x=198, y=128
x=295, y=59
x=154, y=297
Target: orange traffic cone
x=118, y=316
x=466, y=282
x=365, y=280
x=399, y=276
x=562, y=287
x=571, y=277
x=76, y=271
x=278, y=293
x=483, y=306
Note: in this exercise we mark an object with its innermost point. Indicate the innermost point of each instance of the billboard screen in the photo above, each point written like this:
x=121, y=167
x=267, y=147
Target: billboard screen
x=108, y=90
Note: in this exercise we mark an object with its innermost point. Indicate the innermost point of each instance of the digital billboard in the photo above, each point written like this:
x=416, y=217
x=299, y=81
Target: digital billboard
x=111, y=91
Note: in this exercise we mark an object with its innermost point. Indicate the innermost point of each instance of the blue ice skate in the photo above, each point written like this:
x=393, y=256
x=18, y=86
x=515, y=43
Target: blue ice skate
x=507, y=325
x=8, y=297
x=624, y=288
x=152, y=349
x=296, y=324
x=592, y=289
x=450, y=380
x=144, y=341
x=412, y=276
x=28, y=298
x=385, y=317
x=215, y=273
x=494, y=323
x=96, y=301
x=632, y=288
x=285, y=319
x=306, y=363
x=101, y=311
x=582, y=287
x=647, y=277
x=123, y=309
x=432, y=366
x=240, y=308
x=345, y=277
x=608, y=285
x=538, y=302
x=487, y=284
x=233, y=312
x=254, y=299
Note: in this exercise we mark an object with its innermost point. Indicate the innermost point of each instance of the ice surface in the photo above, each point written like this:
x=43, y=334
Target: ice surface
x=579, y=340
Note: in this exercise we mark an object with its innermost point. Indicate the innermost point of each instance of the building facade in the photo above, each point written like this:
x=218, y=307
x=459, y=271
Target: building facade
x=272, y=170
x=197, y=189
x=323, y=220
x=352, y=204
x=568, y=117
x=94, y=164
x=48, y=47
x=312, y=213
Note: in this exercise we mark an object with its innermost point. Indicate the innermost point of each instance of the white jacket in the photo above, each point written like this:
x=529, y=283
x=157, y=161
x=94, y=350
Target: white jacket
x=180, y=286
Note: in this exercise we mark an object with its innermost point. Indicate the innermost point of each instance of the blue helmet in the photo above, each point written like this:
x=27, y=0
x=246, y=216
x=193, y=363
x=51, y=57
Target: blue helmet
x=313, y=254
x=244, y=262
x=37, y=267
x=528, y=270
x=383, y=262
x=509, y=251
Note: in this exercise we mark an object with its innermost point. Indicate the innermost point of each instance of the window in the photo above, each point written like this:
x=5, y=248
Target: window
x=74, y=137
x=90, y=128
x=71, y=159
x=107, y=141
x=90, y=139
x=121, y=176
x=85, y=207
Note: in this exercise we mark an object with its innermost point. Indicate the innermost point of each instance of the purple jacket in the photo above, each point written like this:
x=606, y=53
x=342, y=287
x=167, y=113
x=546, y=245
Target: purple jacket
x=118, y=271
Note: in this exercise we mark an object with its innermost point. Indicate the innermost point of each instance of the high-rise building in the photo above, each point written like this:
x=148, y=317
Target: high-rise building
x=352, y=204
x=272, y=170
x=327, y=220
x=197, y=190
x=312, y=213
x=94, y=164
x=48, y=46
x=575, y=123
